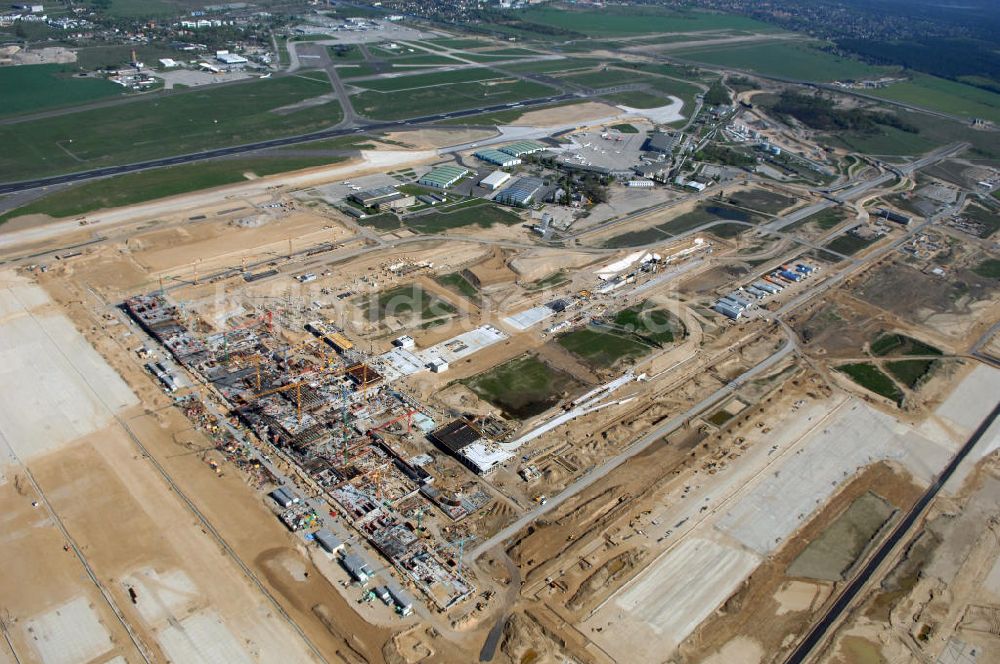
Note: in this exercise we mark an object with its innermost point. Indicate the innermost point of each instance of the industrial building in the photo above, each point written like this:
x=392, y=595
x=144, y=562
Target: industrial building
x=521, y=148
x=494, y=180
x=328, y=541
x=466, y=443
x=357, y=567
x=497, y=158
x=521, y=193
x=663, y=142
x=230, y=59
x=373, y=197
x=443, y=177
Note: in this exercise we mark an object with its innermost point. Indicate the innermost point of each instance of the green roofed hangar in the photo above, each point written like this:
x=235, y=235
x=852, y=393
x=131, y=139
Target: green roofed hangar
x=443, y=177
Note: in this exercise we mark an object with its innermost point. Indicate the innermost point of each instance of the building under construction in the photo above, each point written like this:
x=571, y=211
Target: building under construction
x=321, y=403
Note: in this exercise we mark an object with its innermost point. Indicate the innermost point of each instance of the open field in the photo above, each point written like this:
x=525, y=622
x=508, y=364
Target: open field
x=942, y=95
x=829, y=557
x=439, y=98
x=164, y=125
x=459, y=284
x=761, y=200
x=633, y=21
x=849, y=244
x=932, y=132
x=989, y=268
x=601, y=348
x=132, y=188
x=29, y=88
x=704, y=213
x=523, y=387
x=900, y=344
x=409, y=303
x=871, y=378
x=481, y=214
x=789, y=60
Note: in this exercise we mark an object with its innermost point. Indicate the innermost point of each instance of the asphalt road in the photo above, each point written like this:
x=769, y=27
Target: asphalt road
x=833, y=614
x=24, y=185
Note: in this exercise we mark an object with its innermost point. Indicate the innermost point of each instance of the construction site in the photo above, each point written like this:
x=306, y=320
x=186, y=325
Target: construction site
x=680, y=434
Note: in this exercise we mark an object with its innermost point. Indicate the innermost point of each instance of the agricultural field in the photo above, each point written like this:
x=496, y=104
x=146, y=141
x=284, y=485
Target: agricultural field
x=523, y=387
x=29, y=88
x=161, y=126
x=787, y=59
x=481, y=214
x=612, y=22
x=942, y=95
x=133, y=188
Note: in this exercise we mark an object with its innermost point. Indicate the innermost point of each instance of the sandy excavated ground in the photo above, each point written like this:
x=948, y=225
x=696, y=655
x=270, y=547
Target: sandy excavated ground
x=586, y=112
x=123, y=521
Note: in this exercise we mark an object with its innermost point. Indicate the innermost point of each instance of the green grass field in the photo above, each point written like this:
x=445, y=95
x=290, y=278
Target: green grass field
x=564, y=66
x=523, y=387
x=763, y=201
x=418, y=81
x=356, y=70
x=481, y=214
x=932, y=133
x=637, y=99
x=601, y=348
x=703, y=214
x=98, y=57
x=409, y=303
x=989, y=268
x=459, y=42
x=387, y=221
x=872, y=378
x=911, y=372
x=653, y=325
x=824, y=220
x=458, y=283
x=848, y=244
x=900, y=344
x=628, y=335
x=942, y=95
x=635, y=20
x=786, y=59
x=149, y=185
x=30, y=88
x=161, y=126
x=443, y=98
